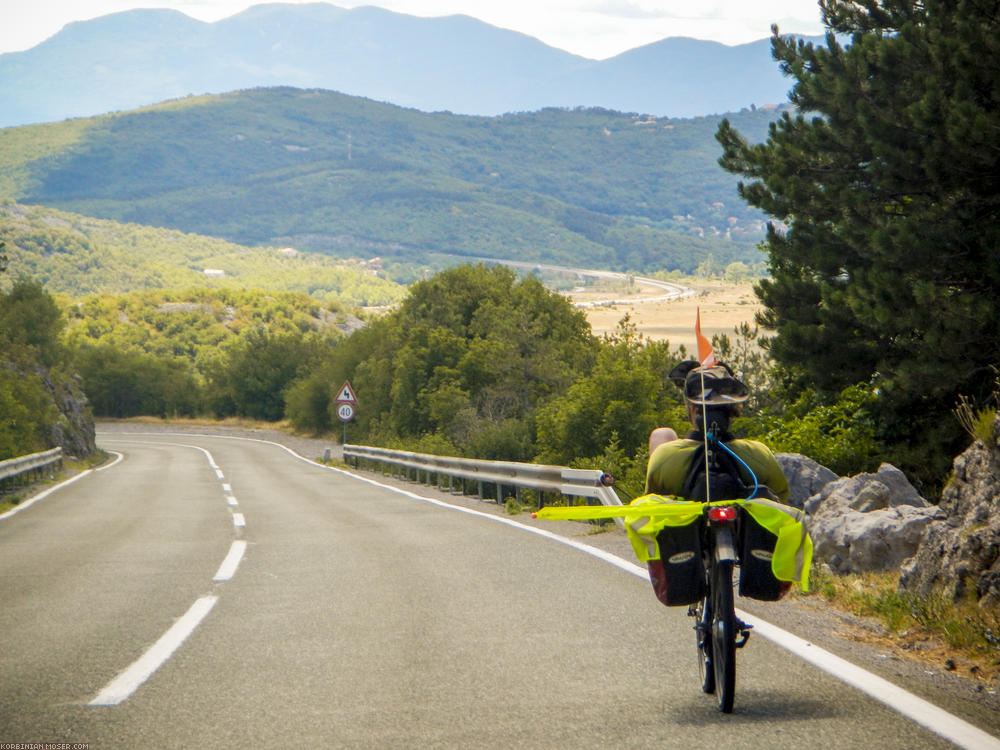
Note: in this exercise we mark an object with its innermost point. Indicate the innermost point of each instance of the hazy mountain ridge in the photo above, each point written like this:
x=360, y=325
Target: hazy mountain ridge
x=455, y=63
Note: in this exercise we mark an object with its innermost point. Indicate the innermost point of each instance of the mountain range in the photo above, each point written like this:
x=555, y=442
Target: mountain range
x=455, y=63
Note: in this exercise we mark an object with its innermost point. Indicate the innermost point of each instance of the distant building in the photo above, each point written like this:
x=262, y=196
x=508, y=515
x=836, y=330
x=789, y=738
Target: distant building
x=288, y=252
x=215, y=273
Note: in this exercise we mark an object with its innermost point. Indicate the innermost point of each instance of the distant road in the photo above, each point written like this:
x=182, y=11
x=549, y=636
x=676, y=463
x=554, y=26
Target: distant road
x=218, y=593
x=671, y=290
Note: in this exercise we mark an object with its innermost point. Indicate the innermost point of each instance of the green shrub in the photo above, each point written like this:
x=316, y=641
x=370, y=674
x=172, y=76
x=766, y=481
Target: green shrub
x=840, y=435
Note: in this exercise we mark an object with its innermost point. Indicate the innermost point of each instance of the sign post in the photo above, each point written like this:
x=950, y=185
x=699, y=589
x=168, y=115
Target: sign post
x=347, y=401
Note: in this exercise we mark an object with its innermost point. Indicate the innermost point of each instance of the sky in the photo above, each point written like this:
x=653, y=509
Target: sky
x=596, y=29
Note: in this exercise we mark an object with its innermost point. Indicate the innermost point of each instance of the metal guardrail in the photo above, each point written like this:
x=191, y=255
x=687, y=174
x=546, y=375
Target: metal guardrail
x=575, y=483
x=15, y=468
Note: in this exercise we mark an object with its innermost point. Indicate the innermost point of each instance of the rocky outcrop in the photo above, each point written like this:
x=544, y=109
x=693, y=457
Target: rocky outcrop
x=73, y=431
x=960, y=552
x=805, y=477
x=869, y=522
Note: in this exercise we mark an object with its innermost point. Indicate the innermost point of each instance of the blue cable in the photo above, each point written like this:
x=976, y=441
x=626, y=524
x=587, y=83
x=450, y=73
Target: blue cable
x=756, y=484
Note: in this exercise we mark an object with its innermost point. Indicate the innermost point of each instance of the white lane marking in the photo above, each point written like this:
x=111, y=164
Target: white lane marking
x=118, y=457
x=227, y=488
x=231, y=501
x=228, y=568
x=219, y=474
x=126, y=683
x=239, y=520
x=947, y=725
x=42, y=495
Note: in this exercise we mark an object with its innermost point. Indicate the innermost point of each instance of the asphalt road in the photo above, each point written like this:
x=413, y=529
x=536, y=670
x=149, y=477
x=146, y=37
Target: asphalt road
x=358, y=618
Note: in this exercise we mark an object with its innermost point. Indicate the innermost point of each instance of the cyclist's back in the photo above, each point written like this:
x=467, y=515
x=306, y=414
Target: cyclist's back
x=713, y=396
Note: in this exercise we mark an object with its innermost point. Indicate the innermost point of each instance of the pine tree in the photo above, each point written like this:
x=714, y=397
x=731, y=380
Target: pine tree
x=884, y=252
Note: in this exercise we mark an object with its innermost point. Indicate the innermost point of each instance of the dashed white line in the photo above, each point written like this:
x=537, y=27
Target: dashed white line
x=219, y=474
x=125, y=684
x=238, y=520
x=227, y=488
x=231, y=501
x=228, y=568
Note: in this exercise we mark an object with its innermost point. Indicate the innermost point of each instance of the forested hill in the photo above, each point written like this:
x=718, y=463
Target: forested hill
x=78, y=255
x=348, y=176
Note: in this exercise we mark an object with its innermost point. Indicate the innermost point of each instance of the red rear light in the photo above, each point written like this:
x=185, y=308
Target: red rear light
x=722, y=513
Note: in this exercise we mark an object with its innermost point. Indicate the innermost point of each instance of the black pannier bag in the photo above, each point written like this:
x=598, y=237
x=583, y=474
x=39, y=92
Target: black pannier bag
x=678, y=577
x=756, y=548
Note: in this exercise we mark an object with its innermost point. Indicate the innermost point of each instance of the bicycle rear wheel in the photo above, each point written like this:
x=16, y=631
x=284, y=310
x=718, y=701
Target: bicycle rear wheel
x=723, y=635
x=703, y=633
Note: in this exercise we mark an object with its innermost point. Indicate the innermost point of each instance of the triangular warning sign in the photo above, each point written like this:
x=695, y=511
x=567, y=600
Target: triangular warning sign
x=346, y=395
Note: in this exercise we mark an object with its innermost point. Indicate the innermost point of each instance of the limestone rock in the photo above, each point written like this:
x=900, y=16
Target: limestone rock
x=961, y=550
x=805, y=477
x=869, y=522
x=74, y=431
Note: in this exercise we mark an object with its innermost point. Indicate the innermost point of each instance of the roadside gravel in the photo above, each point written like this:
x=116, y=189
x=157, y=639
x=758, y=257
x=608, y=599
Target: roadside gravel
x=864, y=642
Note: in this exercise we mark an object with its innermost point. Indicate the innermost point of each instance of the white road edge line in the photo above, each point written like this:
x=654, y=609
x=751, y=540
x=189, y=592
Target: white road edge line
x=946, y=725
x=118, y=457
x=42, y=495
x=228, y=568
x=126, y=683
x=923, y=712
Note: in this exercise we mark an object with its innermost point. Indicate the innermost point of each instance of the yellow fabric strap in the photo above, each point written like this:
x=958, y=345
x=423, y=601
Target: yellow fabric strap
x=647, y=515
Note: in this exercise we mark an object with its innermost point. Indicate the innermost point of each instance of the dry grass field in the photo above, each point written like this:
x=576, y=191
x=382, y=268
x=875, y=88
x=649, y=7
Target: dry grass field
x=723, y=307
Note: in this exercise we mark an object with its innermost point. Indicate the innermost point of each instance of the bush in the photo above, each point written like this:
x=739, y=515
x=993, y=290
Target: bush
x=308, y=402
x=840, y=435
x=25, y=412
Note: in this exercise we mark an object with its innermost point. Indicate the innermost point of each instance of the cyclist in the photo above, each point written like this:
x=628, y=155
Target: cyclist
x=714, y=390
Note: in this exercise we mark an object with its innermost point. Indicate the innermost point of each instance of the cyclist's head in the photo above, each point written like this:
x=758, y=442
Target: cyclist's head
x=709, y=386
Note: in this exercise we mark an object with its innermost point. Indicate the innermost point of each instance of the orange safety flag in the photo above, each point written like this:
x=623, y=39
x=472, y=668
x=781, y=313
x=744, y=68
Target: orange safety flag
x=706, y=355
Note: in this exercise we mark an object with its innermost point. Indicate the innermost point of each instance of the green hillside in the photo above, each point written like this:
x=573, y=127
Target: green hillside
x=76, y=255
x=347, y=176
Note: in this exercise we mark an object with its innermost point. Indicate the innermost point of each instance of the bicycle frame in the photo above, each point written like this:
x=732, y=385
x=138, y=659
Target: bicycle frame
x=716, y=626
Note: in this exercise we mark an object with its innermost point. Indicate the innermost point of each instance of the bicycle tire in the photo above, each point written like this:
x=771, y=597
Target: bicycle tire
x=703, y=636
x=723, y=635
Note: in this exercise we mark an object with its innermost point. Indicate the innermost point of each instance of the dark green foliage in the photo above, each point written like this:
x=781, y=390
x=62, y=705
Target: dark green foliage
x=26, y=413
x=152, y=352
x=888, y=266
x=467, y=358
x=348, y=176
x=838, y=433
x=252, y=379
x=307, y=404
x=30, y=323
x=128, y=383
x=32, y=362
x=617, y=403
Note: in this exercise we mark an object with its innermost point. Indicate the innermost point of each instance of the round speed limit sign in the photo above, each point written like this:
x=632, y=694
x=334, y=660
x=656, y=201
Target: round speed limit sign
x=345, y=412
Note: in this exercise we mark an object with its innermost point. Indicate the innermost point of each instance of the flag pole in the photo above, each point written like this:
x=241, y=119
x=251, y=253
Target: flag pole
x=706, y=358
